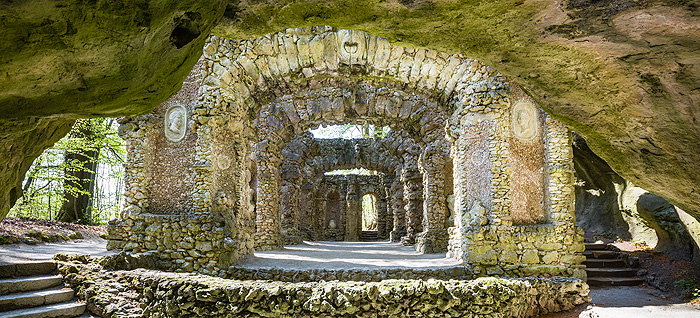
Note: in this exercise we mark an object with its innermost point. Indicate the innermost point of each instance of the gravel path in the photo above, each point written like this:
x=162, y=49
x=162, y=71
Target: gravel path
x=344, y=255
x=18, y=253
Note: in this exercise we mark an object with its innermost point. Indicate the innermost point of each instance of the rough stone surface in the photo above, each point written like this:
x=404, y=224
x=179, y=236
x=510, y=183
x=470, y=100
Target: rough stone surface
x=309, y=197
x=624, y=74
x=62, y=60
x=153, y=293
x=256, y=95
x=609, y=205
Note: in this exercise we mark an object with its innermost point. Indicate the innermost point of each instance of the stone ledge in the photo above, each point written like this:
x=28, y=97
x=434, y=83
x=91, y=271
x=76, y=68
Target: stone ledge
x=359, y=274
x=154, y=293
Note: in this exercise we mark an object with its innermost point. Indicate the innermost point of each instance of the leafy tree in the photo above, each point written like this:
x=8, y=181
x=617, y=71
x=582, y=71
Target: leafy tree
x=66, y=174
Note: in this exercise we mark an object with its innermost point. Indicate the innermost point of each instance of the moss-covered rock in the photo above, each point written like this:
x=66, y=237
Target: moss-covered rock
x=159, y=294
x=64, y=59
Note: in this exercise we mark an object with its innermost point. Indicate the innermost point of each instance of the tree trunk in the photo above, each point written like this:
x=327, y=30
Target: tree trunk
x=79, y=180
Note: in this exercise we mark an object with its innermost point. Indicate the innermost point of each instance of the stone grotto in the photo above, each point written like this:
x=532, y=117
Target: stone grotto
x=480, y=163
x=227, y=166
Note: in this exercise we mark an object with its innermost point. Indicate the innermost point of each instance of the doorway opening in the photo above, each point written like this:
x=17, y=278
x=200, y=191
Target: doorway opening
x=369, y=212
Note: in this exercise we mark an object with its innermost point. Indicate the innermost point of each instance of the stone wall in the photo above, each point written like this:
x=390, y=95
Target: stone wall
x=512, y=174
x=170, y=205
x=159, y=294
x=485, y=234
x=182, y=242
x=357, y=275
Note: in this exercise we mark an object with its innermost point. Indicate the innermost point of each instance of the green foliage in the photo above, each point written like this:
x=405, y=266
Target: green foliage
x=46, y=181
x=689, y=288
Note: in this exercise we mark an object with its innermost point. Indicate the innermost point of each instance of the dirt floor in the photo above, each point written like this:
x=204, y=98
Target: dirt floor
x=32, y=231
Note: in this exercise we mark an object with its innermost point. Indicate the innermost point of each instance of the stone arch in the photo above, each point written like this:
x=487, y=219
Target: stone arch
x=256, y=90
x=307, y=159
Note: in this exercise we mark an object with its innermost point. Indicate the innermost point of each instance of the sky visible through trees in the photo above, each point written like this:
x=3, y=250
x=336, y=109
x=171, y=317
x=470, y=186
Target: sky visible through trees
x=53, y=180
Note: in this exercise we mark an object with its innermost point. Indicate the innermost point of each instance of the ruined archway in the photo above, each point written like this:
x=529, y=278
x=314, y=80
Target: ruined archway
x=511, y=162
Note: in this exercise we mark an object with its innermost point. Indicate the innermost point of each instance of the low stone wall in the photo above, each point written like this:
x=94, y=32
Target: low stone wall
x=366, y=275
x=192, y=243
x=151, y=293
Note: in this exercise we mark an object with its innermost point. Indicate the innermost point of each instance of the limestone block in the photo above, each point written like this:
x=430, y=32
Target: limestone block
x=530, y=257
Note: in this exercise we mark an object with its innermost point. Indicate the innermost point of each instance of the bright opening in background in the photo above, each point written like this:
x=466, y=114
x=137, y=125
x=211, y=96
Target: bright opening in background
x=369, y=212
x=361, y=171
x=350, y=131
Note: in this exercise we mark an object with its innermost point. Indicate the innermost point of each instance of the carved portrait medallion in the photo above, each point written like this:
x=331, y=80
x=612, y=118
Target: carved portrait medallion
x=524, y=123
x=175, y=123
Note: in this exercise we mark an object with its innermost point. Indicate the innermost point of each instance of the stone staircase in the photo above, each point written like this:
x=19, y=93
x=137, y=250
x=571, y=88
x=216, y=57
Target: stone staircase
x=608, y=266
x=34, y=290
x=369, y=236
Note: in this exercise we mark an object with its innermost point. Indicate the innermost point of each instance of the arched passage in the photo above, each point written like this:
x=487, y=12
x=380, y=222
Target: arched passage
x=511, y=162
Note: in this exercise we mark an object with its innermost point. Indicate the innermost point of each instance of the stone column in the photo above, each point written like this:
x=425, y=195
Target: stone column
x=289, y=195
x=397, y=211
x=353, y=216
x=267, y=221
x=413, y=200
x=433, y=239
x=382, y=219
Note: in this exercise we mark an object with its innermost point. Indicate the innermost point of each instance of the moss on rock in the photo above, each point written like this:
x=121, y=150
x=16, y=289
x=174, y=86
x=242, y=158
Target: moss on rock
x=624, y=74
x=63, y=59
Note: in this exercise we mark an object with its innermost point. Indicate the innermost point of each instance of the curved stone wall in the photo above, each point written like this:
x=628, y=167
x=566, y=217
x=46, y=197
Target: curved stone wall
x=510, y=162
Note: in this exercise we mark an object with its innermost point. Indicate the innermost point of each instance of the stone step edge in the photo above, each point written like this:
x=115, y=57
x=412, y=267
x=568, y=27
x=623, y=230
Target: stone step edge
x=35, y=298
x=615, y=281
x=26, y=284
x=596, y=246
x=11, y=270
x=66, y=309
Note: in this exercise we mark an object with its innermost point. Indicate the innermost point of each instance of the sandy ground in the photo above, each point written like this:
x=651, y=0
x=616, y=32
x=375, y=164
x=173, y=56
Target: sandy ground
x=630, y=301
x=17, y=253
x=344, y=255
x=637, y=302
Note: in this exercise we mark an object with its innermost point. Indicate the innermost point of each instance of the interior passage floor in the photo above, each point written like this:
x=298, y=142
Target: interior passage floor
x=345, y=255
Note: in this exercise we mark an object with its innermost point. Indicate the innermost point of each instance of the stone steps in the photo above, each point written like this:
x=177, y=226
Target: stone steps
x=34, y=290
x=367, y=236
x=615, y=281
x=67, y=309
x=596, y=246
x=601, y=254
x=611, y=272
x=31, y=283
x=604, y=263
x=35, y=298
x=605, y=266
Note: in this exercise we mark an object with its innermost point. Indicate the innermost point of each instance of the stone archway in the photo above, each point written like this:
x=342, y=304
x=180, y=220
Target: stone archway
x=253, y=95
x=306, y=159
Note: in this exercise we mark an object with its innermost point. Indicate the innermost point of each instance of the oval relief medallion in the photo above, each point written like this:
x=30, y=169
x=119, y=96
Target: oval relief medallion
x=175, y=123
x=524, y=121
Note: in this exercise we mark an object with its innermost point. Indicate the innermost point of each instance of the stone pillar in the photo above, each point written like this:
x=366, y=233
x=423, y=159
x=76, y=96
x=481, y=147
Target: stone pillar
x=397, y=211
x=289, y=196
x=382, y=218
x=433, y=239
x=473, y=197
x=267, y=220
x=413, y=200
x=353, y=216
